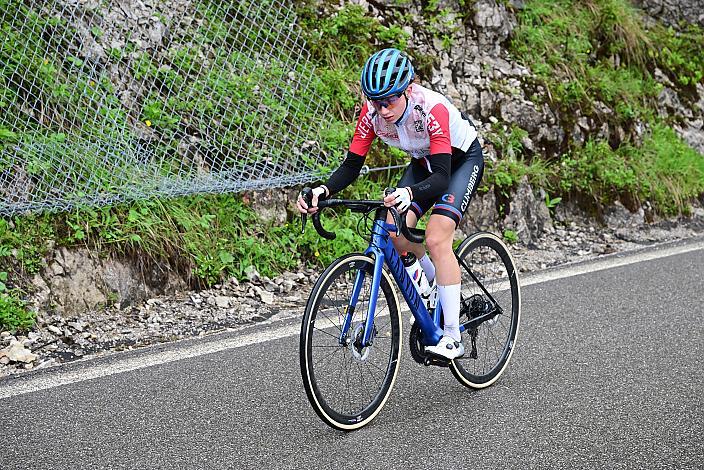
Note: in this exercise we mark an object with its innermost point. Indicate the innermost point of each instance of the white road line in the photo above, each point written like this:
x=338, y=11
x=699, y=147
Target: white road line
x=59, y=378
x=608, y=263
x=127, y=365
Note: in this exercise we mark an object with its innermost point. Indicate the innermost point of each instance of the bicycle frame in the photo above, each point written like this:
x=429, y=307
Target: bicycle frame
x=384, y=251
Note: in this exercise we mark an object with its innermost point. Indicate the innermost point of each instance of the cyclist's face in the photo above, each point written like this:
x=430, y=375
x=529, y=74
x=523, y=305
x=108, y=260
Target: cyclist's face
x=391, y=108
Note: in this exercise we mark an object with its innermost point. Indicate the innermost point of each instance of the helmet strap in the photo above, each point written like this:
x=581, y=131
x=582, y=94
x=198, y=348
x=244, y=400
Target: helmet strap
x=404, y=109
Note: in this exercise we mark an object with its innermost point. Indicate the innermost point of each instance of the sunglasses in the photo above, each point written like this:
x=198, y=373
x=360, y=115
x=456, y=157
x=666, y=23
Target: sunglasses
x=386, y=102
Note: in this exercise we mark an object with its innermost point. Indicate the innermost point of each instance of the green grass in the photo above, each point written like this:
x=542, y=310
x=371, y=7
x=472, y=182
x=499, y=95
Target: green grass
x=14, y=315
x=571, y=47
x=663, y=170
x=601, y=51
x=216, y=236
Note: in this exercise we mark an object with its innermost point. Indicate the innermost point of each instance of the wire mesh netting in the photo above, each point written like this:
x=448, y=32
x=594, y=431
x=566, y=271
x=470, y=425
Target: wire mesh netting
x=110, y=100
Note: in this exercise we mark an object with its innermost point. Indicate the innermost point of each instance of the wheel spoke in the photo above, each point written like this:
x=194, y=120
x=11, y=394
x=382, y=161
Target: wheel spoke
x=325, y=332
x=329, y=357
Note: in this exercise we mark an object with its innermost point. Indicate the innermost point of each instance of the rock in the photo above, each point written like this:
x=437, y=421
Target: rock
x=617, y=216
x=482, y=214
x=487, y=100
x=271, y=286
x=18, y=353
x=494, y=22
x=251, y=273
x=693, y=134
x=78, y=326
x=521, y=112
x=55, y=329
x=674, y=13
x=528, y=216
x=288, y=285
x=265, y=296
x=271, y=205
x=222, y=302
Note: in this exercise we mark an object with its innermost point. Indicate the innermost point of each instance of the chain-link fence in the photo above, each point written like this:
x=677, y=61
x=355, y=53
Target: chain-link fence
x=111, y=100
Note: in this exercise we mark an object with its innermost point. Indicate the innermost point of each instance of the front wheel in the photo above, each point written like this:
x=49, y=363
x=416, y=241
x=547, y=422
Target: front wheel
x=491, y=290
x=347, y=384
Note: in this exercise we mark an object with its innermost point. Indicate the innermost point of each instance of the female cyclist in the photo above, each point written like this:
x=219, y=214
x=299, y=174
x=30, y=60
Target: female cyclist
x=446, y=168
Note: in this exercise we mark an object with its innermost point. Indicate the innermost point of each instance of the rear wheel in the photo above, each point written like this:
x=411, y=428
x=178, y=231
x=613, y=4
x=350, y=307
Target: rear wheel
x=489, y=345
x=348, y=384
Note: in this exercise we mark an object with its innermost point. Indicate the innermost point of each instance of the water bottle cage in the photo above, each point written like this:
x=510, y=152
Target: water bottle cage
x=430, y=297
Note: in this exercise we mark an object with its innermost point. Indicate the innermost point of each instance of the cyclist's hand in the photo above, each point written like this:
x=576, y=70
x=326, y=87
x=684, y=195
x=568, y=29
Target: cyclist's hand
x=304, y=208
x=401, y=198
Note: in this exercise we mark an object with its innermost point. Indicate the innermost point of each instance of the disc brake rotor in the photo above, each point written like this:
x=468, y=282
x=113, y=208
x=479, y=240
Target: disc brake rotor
x=358, y=352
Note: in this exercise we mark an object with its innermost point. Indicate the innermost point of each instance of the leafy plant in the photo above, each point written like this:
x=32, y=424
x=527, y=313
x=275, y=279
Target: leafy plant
x=14, y=315
x=551, y=203
x=510, y=236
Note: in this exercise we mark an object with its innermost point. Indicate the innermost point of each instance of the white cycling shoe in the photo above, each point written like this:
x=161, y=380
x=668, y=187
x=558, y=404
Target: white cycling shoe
x=447, y=348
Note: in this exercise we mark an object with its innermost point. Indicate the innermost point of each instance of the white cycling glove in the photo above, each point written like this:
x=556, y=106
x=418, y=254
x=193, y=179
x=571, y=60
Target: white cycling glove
x=317, y=192
x=402, y=198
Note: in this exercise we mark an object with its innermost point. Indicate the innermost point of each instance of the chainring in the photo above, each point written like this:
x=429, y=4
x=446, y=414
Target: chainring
x=416, y=347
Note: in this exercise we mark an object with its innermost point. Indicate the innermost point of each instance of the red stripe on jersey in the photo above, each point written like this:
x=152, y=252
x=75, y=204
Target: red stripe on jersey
x=438, y=125
x=363, y=134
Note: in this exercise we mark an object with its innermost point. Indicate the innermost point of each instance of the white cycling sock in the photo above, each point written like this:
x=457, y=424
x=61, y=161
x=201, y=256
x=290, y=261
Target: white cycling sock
x=428, y=267
x=449, y=297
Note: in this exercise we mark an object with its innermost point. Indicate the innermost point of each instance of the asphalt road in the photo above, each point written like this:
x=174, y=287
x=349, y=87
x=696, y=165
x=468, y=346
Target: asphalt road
x=608, y=373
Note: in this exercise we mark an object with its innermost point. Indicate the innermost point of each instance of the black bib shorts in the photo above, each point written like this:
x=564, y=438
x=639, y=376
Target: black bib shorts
x=467, y=170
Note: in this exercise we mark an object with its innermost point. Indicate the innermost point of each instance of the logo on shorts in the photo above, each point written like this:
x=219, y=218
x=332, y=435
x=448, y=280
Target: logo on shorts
x=448, y=198
x=470, y=187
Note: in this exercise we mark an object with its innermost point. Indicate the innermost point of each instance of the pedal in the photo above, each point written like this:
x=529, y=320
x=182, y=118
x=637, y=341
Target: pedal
x=433, y=360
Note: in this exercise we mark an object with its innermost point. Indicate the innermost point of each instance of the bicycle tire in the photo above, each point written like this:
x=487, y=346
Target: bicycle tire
x=323, y=388
x=494, y=340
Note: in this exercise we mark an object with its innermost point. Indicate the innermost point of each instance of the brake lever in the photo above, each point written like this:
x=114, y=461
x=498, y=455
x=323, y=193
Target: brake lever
x=307, y=195
x=397, y=219
x=394, y=212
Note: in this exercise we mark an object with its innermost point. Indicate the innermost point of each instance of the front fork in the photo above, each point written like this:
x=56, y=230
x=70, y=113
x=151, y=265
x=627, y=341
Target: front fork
x=356, y=290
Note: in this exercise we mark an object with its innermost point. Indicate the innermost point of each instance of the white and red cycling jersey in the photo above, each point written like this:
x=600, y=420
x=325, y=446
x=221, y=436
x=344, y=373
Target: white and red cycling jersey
x=430, y=125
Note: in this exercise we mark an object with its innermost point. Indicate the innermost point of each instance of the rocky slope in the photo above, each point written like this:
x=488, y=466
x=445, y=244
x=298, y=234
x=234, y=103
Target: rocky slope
x=674, y=12
x=151, y=302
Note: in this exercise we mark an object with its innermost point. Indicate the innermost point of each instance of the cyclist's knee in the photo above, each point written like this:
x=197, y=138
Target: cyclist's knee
x=438, y=236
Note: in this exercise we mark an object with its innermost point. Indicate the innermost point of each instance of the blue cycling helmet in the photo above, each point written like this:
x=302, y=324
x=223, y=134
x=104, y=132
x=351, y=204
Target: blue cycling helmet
x=387, y=72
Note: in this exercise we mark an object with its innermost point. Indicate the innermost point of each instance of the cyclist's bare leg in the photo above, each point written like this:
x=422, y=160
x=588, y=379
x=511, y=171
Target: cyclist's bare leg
x=438, y=237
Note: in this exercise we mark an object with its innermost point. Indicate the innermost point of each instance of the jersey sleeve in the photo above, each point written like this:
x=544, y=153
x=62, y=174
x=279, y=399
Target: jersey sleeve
x=363, y=134
x=438, y=125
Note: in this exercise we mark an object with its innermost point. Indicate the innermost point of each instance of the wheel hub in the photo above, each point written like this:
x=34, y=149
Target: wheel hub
x=476, y=306
x=359, y=352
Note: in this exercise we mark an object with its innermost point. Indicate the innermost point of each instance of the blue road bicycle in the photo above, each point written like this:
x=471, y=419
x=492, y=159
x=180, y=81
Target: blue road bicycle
x=350, y=343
